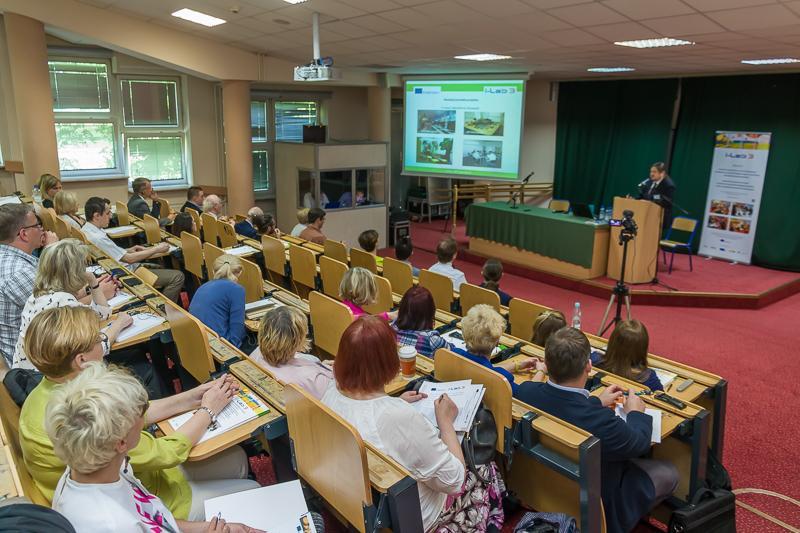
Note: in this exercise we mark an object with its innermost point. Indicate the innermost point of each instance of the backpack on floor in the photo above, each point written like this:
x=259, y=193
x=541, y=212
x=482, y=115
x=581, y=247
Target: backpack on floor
x=711, y=511
x=546, y=523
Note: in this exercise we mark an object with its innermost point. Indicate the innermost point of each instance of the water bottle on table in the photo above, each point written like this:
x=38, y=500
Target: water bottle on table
x=576, y=316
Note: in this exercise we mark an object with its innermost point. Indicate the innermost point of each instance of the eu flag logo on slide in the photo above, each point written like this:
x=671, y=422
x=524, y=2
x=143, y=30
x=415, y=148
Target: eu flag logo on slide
x=417, y=90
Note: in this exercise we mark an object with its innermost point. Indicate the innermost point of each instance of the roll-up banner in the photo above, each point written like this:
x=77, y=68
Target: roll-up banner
x=734, y=195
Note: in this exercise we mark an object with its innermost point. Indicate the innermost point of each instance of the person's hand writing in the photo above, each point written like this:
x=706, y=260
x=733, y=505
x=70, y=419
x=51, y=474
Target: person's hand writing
x=609, y=396
x=446, y=410
x=218, y=396
x=413, y=396
x=633, y=403
x=241, y=528
x=196, y=394
x=541, y=366
x=217, y=525
x=161, y=247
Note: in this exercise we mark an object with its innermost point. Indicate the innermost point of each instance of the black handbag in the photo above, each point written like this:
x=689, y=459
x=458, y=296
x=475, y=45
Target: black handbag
x=480, y=441
x=711, y=511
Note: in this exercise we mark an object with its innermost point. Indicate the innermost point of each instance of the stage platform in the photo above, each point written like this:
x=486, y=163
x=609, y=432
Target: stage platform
x=713, y=283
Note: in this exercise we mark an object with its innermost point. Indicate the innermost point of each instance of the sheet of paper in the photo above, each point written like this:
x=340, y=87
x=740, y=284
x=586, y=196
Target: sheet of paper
x=12, y=199
x=275, y=508
x=122, y=297
x=141, y=323
x=452, y=338
x=264, y=302
x=665, y=376
x=243, y=408
x=242, y=249
x=655, y=414
x=464, y=394
x=120, y=229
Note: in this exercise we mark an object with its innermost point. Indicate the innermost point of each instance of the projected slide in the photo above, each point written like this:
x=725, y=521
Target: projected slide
x=463, y=128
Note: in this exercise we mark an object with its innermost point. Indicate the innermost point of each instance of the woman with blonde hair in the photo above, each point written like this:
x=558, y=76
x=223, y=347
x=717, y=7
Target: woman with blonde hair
x=219, y=303
x=62, y=281
x=49, y=186
x=547, y=323
x=66, y=206
x=358, y=289
x=302, y=221
x=282, y=344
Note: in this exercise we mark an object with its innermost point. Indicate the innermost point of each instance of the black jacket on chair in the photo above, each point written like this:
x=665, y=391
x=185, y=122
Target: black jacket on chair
x=189, y=205
x=662, y=193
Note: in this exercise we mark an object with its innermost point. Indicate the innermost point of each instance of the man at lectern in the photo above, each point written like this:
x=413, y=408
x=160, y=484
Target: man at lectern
x=660, y=189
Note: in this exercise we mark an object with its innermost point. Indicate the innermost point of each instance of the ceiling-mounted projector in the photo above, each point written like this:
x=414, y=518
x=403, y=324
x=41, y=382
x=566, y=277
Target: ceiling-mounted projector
x=320, y=68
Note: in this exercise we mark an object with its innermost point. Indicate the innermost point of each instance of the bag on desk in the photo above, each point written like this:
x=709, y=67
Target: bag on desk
x=711, y=511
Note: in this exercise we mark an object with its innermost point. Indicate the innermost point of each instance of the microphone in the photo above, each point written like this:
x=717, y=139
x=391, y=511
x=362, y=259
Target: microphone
x=528, y=177
x=642, y=184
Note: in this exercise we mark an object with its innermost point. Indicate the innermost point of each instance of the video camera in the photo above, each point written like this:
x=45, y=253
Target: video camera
x=628, y=225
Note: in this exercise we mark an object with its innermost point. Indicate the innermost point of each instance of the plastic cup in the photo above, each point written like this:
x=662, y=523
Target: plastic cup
x=408, y=361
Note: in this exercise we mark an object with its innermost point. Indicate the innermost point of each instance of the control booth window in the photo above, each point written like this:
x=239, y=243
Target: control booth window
x=342, y=189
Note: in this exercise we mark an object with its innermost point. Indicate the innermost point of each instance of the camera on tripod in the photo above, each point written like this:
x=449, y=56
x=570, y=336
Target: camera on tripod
x=628, y=225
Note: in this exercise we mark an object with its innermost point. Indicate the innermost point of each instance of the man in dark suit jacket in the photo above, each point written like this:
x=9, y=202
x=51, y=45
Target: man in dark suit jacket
x=137, y=205
x=194, y=199
x=659, y=189
x=631, y=487
x=246, y=227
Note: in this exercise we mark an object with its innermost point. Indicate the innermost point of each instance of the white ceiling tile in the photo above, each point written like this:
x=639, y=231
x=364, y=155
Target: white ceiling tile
x=411, y=2
x=346, y=29
x=573, y=37
x=623, y=31
x=377, y=24
x=498, y=9
x=535, y=22
x=448, y=11
x=547, y=4
x=713, y=5
x=409, y=18
x=755, y=17
x=374, y=6
x=587, y=14
x=332, y=8
x=683, y=25
x=230, y=31
x=647, y=9
x=380, y=43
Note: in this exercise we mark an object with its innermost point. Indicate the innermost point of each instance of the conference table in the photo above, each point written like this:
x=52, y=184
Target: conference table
x=535, y=237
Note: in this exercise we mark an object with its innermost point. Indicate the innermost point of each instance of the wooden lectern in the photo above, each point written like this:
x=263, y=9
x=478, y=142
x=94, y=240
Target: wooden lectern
x=642, y=262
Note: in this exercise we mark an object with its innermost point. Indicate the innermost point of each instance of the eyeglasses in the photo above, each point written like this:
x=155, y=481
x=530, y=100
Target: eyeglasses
x=37, y=225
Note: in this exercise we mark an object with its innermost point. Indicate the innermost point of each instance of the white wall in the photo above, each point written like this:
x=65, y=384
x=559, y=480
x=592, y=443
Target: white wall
x=538, y=150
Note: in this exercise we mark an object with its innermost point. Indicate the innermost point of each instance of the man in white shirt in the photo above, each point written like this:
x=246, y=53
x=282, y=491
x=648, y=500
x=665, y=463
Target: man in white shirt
x=446, y=252
x=98, y=215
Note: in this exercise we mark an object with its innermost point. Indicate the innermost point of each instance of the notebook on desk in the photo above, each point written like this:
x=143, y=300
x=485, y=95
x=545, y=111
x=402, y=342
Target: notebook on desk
x=120, y=230
x=244, y=407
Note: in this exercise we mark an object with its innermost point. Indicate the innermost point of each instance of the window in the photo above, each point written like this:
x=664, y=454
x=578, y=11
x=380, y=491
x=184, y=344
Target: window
x=260, y=170
x=157, y=158
x=79, y=87
x=290, y=117
x=342, y=189
x=85, y=146
x=150, y=103
x=258, y=121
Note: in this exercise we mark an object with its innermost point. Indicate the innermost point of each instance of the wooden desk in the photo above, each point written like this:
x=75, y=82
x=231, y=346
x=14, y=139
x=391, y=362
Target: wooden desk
x=10, y=486
x=384, y=473
x=125, y=234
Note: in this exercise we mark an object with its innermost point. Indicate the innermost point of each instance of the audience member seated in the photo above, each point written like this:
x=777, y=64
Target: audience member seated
x=482, y=328
x=547, y=323
x=492, y=271
x=309, y=202
x=94, y=421
x=194, y=199
x=247, y=227
x=49, y=186
x=282, y=344
x=302, y=220
x=60, y=342
x=313, y=230
x=365, y=363
x=213, y=205
x=414, y=322
x=358, y=289
x=446, y=252
x=183, y=222
x=138, y=206
x=98, y=216
x=346, y=199
x=630, y=486
x=219, y=303
x=66, y=206
x=403, y=250
x=626, y=355
x=62, y=280
x=21, y=233
x=266, y=225
x=368, y=241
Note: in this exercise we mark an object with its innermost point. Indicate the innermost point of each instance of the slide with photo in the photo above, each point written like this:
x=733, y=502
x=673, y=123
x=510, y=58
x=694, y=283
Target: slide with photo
x=463, y=128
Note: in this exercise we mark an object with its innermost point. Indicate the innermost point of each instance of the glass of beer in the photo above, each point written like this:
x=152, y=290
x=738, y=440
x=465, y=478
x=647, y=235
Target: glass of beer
x=408, y=361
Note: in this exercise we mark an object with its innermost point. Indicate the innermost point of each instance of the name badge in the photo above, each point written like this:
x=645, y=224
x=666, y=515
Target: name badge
x=656, y=197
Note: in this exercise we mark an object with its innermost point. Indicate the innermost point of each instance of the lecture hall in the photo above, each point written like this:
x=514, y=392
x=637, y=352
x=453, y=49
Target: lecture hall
x=422, y=266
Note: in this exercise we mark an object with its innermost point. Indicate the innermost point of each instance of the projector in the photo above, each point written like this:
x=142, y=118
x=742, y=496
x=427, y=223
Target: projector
x=316, y=73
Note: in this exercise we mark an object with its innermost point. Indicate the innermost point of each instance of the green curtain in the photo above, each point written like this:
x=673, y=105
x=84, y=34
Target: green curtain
x=768, y=103
x=608, y=134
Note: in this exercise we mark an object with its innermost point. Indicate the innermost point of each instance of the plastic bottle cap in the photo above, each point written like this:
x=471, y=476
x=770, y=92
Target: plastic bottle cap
x=407, y=352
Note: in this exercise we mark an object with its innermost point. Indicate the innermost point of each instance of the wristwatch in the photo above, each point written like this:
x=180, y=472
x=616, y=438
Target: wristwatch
x=211, y=415
x=90, y=289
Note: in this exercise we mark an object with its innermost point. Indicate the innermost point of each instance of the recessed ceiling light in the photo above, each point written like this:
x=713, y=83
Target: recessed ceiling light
x=482, y=57
x=198, y=18
x=610, y=69
x=294, y=1
x=654, y=43
x=774, y=61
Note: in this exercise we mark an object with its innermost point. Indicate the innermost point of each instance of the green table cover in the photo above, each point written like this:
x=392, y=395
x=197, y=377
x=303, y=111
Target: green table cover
x=535, y=229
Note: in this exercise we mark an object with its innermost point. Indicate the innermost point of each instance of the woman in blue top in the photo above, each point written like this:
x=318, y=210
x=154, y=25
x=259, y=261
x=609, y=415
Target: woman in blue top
x=492, y=271
x=482, y=328
x=414, y=324
x=219, y=303
x=626, y=355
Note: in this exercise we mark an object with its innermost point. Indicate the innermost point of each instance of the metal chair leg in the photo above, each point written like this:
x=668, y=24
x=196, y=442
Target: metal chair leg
x=671, y=260
x=691, y=269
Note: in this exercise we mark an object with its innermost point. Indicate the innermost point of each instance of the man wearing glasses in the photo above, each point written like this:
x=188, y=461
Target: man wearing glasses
x=21, y=233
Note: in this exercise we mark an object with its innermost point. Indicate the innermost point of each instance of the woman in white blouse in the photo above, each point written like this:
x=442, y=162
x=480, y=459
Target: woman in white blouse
x=66, y=206
x=62, y=280
x=366, y=361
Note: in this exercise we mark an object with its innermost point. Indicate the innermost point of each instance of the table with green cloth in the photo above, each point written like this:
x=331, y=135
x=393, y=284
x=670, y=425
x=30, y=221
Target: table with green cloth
x=535, y=229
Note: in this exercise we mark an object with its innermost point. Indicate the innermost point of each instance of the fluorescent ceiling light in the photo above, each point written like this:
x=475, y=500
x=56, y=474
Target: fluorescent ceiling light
x=653, y=43
x=774, y=61
x=482, y=57
x=294, y=1
x=610, y=69
x=198, y=18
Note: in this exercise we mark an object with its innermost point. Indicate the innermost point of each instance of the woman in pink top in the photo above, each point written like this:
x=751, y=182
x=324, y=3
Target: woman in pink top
x=358, y=289
x=281, y=343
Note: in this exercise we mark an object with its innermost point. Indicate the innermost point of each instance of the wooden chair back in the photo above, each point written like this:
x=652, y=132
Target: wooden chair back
x=558, y=205
x=470, y=295
x=198, y=222
x=210, y=232
x=192, y=253
x=239, y=218
x=329, y=319
x=304, y=269
x=684, y=224
x=145, y=275
x=521, y=315
x=164, y=208
x=191, y=340
x=152, y=230
x=274, y=255
x=360, y=258
x=252, y=281
x=441, y=288
x=399, y=274
x=75, y=233
x=24, y=484
x=48, y=216
x=123, y=217
x=62, y=228
x=449, y=366
x=226, y=234
x=211, y=253
x=383, y=303
x=328, y=450
x=336, y=250
x=331, y=271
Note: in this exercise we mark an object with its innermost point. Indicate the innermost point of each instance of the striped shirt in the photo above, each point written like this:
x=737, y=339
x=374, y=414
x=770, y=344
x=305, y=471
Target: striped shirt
x=17, y=273
x=426, y=342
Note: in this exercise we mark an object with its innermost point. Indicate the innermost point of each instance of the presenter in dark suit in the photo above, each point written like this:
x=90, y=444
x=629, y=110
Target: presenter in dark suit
x=630, y=486
x=660, y=189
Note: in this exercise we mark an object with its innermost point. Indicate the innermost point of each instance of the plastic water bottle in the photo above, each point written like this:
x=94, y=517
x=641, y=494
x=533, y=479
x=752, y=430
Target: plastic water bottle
x=37, y=194
x=576, y=316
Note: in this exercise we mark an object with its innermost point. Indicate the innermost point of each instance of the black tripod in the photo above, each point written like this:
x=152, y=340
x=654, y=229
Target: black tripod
x=621, y=290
